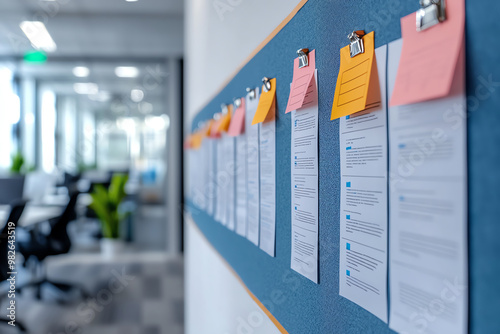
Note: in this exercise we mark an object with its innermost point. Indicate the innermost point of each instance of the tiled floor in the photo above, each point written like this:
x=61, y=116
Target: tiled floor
x=136, y=293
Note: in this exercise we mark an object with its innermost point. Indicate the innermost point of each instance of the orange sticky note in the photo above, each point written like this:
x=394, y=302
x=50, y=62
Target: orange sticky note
x=196, y=140
x=226, y=120
x=429, y=58
x=237, y=126
x=214, y=129
x=358, y=87
x=266, y=109
x=208, y=127
x=303, y=84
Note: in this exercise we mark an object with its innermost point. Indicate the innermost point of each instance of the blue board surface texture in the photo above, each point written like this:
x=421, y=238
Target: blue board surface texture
x=298, y=304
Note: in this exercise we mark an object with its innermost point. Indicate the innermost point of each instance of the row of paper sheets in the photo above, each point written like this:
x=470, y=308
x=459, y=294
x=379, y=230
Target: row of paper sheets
x=424, y=196
x=233, y=177
x=406, y=164
x=402, y=162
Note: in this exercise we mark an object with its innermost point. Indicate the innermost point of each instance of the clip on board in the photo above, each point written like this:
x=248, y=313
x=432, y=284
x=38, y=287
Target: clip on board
x=357, y=46
x=251, y=93
x=303, y=57
x=432, y=12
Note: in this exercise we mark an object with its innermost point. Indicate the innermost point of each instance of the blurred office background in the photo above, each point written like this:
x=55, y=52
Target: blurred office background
x=91, y=98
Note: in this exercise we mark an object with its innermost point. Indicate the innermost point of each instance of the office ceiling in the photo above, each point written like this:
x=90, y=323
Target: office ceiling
x=148, y=7
x=98, y=34
x=89, y=28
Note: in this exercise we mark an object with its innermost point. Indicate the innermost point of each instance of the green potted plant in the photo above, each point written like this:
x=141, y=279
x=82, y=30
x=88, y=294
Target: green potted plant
x=106, y=204
x=17, y=162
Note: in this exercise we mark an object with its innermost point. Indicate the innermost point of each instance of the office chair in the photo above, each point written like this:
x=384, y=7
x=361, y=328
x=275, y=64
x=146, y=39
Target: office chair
x=37, y=185
x=39, y=246
x=15, y=213
x=12, y=189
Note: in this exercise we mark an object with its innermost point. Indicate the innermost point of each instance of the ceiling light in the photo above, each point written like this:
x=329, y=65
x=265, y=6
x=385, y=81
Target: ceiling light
x=126, y=71
x=126, y=123
x=38, y=35
x=136, y=95
x=101, y=96
x=86, y=88
x=157, y=122
x=145, y=107
x=131, y=0
x=81, y=71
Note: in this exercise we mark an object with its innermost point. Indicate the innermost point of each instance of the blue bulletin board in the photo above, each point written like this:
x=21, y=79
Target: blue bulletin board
x=324, y=26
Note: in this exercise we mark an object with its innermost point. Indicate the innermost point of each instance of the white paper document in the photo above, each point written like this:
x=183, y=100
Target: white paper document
x=304, y=166
x=428, y=211
x=221, y=183
x=241, y=184
x=196, y=177
x=363, y=203
x=209, y=189
x=230, y=184
x=192, y=175
x=267, y=141
x=200, y=175
x=253, y=166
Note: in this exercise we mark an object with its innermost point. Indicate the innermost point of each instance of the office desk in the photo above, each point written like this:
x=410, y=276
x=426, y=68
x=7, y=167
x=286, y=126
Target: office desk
x=32, y=214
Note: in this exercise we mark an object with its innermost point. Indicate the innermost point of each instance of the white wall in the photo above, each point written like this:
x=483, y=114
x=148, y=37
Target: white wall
x=220, y=35
x=216, y=301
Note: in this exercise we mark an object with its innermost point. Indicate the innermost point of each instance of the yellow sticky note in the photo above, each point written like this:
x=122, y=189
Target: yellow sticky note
x=226, y=120
x=358, y=86
x=266, y=109
x=206, y=130
x=196, y=140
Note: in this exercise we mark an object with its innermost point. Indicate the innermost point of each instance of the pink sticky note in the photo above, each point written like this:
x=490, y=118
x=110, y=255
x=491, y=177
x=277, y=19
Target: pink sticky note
x=303, y=84
x=237, y=126
x=429, y=58
x=214, y=130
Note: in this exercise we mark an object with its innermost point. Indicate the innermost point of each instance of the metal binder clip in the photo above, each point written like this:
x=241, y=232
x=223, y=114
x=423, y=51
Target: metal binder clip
x=251, y=93
x=237, y=102
x=224, y=108
x=267, y=84
x=431, y=13
x=303, y=57
x=356, y=47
